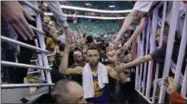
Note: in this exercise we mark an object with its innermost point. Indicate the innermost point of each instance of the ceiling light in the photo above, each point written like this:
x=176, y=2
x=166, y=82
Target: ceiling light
x=112, y=6
x=88, y=4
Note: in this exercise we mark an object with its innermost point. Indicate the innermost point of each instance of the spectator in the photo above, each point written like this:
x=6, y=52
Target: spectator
x=91, y=75
x=78, y=61
x=16, y=16
x=140, y=11
x=68, y=92
x=158, y=55
x=15, y=26
x=55, y=74
x=51, y=41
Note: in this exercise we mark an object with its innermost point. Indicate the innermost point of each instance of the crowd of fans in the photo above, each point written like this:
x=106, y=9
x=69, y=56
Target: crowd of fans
x=85, y=68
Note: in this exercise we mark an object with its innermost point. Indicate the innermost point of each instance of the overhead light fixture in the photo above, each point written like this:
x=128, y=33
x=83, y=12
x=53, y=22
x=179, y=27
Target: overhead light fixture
x=87, y=4
x=112, y=6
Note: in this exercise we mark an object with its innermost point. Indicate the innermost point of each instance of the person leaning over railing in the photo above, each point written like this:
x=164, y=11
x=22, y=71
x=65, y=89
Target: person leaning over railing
x=158, y=55
x=15, y=16
x=140, y=12
x=14, y=24
x=54, y=7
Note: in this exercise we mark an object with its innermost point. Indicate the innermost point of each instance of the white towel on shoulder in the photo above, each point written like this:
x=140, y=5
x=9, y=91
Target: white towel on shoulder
x=88, y=79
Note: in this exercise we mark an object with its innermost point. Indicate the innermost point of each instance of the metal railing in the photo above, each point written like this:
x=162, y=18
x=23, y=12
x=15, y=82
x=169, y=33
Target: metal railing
x=42, y=57
x=150, y=31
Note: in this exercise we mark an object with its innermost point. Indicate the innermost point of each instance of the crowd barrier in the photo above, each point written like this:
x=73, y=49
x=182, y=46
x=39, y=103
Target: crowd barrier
x=144, y=72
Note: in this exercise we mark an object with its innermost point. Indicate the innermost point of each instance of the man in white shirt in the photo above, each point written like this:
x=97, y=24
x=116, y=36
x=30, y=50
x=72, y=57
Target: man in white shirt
x=139, y=11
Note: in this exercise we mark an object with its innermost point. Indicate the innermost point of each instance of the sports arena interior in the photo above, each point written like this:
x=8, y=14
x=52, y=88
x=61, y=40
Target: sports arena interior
x=94, y=52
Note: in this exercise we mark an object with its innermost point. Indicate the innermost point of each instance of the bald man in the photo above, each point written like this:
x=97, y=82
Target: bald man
x=68, y=92
x=78, y=58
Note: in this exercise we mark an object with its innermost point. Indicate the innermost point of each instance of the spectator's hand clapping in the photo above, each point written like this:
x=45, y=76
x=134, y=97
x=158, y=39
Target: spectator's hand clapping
x=16, y=16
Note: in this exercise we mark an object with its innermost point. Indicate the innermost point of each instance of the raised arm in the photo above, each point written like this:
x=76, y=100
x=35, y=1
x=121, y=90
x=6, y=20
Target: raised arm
x=135, y=62
x=137, y=32
x=64, y=62
x=61, y=18
x=54, y=7
x=131, y=17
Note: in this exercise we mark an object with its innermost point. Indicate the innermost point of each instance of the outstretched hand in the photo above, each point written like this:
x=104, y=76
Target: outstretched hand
x=172, y=85
x=16, y=16
x=120, y=68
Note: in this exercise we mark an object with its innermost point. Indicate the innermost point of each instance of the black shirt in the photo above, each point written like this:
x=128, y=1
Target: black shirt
x=56, y=75
x=77, y=78
x=159, y=55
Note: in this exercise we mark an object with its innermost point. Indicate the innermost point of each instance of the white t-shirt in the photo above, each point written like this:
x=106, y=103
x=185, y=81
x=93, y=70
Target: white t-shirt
x=143, y=6
x=30, y=10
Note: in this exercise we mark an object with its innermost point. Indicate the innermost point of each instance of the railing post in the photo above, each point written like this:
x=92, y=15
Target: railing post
x=152, y=48
x=184, y=84
x=181, y=50
x=172, y=31
x=160, y=45
x=40, y=61
x=146, y=52
x=137, y=67
x=42, y=45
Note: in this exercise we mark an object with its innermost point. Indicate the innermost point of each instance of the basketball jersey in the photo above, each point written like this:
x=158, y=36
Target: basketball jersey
x=101, y=96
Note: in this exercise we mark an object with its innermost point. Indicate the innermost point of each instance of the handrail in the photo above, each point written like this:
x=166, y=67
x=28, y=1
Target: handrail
x=33, y=72
x=7, y=63
x=6, y=86
x=35, y=29
x=23, y=44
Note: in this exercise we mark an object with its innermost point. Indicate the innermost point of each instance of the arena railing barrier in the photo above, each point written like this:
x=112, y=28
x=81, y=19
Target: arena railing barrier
x=173, y=26
x=7, y=63
x=150, y=34
x=181, y=58
x=35, y=29
x=144, y=71
x=160, y=45
x=6, y=86
x=42, y=57
x=23, y=44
